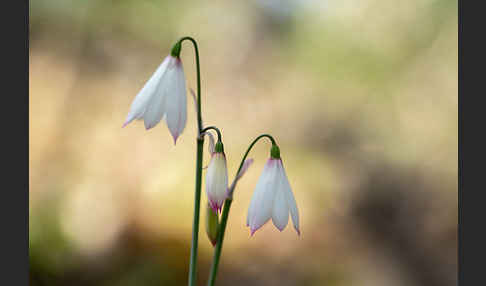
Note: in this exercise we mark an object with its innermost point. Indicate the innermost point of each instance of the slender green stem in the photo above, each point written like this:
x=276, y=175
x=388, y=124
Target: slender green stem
x=251, y=146
x=215, y=129
x=224, y=215
x=219, y=241
x=199, y=157
x=195, y=225
x=196, y=50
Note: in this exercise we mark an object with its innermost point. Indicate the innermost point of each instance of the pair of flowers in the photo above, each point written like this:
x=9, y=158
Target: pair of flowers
x=164, y=97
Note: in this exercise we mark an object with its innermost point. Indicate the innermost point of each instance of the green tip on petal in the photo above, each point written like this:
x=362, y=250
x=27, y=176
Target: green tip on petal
x=275, y=152
x=218, y=148
x=176, y=50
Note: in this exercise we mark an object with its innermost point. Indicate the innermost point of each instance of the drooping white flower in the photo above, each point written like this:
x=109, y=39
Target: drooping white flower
x=272, y=199
x=217, y=178
x=163, y=96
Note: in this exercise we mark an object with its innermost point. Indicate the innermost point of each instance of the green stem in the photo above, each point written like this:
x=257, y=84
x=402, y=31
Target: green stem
x=219, y=241
x=199, y=157
x=215, y=129
x=224, y=215
x=197, y=202
x=196, y=51
x=251, y=146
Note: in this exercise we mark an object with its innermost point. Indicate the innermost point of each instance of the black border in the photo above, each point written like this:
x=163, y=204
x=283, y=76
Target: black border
x=471, y=62
x=14, y=213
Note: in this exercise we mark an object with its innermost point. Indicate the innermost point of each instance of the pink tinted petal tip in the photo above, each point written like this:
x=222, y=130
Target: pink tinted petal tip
x=147, y=127
x=127, y=121
x=175, y=136
x=214, y=206
x=253, y=230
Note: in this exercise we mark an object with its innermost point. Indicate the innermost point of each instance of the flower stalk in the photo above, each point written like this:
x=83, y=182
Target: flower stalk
x=199, y=156
x=197, y=203
x=198, y=74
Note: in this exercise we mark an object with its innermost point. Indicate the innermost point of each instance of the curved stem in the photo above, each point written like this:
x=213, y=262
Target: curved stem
x=251, y=146
x=224, y=216
x=196, y=51
x=199, y=156
x=215, y=129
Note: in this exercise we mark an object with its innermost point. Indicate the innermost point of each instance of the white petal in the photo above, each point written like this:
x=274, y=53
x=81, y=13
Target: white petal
x=245, y=167
x=280, y=211
x=141, y=101
x=257, y=193
x=176, y=99
x=294, y=212
x=262, y=200
x=194, y=99
x=211, y=142
x=217, y=181
x=210, y=145
x=155, y=109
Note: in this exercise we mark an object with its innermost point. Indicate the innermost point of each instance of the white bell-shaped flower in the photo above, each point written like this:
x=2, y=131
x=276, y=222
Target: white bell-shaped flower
x=272, y=199
x=163, y=96
x=217, y=178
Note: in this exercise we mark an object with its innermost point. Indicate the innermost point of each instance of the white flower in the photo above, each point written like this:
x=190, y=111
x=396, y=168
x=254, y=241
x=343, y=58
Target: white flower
x=272, y=198
x=217, y=180
x=163, y=96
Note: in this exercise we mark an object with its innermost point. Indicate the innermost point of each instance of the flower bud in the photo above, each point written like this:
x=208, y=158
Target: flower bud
x=211, y=224
x=217, y=178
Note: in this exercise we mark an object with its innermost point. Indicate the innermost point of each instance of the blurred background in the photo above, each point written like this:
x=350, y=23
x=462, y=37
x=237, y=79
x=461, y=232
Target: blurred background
x=360, y=95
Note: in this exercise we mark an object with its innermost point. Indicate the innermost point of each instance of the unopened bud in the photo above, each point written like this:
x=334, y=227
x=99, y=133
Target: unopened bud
x=217, y=178
x=211, y=224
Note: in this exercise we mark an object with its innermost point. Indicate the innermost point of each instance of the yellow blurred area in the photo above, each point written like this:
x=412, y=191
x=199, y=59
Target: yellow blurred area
x=361, y=96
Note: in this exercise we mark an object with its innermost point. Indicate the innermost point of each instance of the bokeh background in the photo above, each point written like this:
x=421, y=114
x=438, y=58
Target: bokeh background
x=361, y=96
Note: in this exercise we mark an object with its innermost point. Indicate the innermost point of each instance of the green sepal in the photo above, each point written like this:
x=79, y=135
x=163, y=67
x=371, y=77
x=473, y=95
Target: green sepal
x=176, y=50
x=218, y=148
x=275, y=152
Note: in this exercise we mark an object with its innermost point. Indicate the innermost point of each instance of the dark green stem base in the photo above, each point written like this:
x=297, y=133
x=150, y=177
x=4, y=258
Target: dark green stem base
x=197, y=203
x=219, y=242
